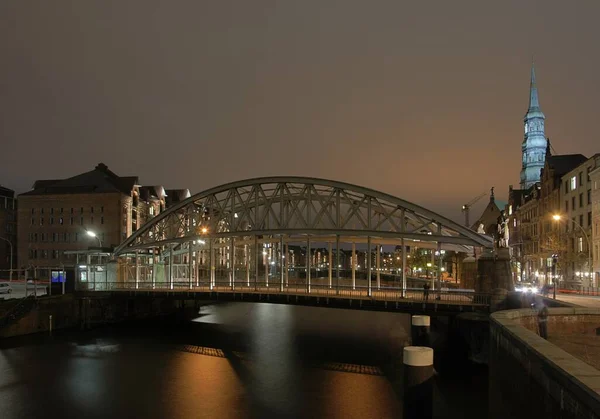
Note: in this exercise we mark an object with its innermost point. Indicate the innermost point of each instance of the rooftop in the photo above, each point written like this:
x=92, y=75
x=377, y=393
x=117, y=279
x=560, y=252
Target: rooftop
x=99, y=180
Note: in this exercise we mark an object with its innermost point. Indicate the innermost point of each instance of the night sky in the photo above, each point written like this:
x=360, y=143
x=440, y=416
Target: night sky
x=420, y=99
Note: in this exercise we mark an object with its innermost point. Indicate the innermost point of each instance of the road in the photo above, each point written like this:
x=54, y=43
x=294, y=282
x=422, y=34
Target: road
x=580, y=300
x=20, y=290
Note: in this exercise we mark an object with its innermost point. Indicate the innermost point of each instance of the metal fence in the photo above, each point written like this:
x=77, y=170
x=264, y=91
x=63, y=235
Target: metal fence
x=358, y=292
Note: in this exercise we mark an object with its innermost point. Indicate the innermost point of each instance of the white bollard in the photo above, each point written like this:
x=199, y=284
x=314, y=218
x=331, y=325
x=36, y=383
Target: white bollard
x=418, y=382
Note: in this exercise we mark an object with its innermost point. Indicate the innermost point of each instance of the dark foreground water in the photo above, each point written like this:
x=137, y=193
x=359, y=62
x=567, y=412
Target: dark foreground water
x=272, y=361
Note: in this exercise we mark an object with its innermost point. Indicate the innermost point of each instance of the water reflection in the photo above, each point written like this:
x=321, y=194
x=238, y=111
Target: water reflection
x=273, y=366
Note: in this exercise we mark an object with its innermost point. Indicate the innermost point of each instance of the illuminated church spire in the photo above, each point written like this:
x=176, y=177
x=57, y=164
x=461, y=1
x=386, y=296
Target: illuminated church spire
x=534, y=144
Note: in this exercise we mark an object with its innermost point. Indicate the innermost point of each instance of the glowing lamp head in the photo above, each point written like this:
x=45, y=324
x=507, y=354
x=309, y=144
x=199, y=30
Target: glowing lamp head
x=91, y=233
x=556, y=217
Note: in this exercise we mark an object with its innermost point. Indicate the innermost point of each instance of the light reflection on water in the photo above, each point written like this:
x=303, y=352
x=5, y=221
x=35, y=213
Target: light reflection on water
x=124, y=372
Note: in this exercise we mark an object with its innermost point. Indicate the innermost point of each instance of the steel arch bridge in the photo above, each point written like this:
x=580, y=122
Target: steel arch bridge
x=237, y=235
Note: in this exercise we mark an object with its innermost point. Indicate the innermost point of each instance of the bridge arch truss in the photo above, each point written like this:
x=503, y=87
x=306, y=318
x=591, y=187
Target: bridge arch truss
x=241, y=228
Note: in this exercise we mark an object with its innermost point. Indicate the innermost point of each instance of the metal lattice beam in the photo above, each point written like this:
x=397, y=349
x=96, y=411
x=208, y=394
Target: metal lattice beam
x=297, y=206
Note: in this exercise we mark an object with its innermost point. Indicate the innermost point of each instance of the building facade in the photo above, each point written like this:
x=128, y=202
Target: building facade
x=576, y=221
x=93, y=209
x=534, y=143
x=595, y=187
x=8, y=231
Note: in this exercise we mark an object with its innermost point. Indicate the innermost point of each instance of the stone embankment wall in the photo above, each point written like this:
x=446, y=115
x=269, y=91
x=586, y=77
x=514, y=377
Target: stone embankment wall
x=531, y=377
x=72, y=310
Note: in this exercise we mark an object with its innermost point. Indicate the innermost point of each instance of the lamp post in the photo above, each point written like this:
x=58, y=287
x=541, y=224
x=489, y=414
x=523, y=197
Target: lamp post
x=92, y=234
x=558, y=217
x=11, y=257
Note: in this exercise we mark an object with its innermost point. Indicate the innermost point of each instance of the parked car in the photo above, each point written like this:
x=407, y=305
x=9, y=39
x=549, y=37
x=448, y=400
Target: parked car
x=5, y=288
x=526, y=287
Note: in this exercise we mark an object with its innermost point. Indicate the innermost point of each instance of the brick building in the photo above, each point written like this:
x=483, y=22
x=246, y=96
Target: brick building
x=8, y=231
x=595, y=188
x=56, y=216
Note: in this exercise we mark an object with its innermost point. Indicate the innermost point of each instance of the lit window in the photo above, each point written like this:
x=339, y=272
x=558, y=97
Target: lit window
x=580, y=244
x=574, y=183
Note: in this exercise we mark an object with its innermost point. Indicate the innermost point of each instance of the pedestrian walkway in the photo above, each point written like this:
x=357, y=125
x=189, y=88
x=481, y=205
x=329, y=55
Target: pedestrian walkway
x=580, y=300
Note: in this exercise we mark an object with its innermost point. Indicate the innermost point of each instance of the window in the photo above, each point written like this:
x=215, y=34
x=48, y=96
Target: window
x=102, y=220
x=580, y=179
x=81, y=210
x=60, y=221
x=55, y=254
x=76, y=236
x=580, y=200
x=43, y=237
x=54, y=237
x=589, y=219
x=589, y=197
x=581, y=220
x=580, y=244
x=66, y=237
x=71, y=221
x=573, y=204
x=42, y=210
x=35, y=237
x=42, y=221
x=51, y=220
x=81, y=221
x=32, y=221
x=566, y=186
x=61, y=210
x=51, y=210
x=589, y=169
x=92, y=220
x=101, y=209
x=71, y=210
x=32, y=211
x=574, y=183
x=92, y=210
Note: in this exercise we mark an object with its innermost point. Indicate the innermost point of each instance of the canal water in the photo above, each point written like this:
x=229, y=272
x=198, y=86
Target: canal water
x=233, y=360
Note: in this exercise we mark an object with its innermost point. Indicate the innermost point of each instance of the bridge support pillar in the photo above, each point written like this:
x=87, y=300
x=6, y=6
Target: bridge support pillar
x=308, y=257
x=337, y=264
x=267, y=267
x=211, y=263
x=171, y=267
x=247, y=258
x=137, y=269
x=353, y=265
x=281, y=263
x=369, y=266
x=403, y=269
x=287, y=265
x=191, y=265
x=330, y=263
x=154, y=255
x=256, y=260
x=232, y=262
x=378, y=264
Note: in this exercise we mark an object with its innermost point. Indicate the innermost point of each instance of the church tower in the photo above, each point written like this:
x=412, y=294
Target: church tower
x=534, y=145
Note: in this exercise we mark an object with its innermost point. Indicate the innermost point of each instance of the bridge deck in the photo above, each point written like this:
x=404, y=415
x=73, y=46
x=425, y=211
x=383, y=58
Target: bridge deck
x=451, y=300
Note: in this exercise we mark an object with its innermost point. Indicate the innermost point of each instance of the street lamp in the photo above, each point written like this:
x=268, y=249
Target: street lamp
x=558, y=217
x=11, y=256
x=92, y=234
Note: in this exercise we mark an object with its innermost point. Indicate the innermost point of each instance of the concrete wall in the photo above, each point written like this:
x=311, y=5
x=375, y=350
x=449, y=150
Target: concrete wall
x=532, y=378
x=62, y=308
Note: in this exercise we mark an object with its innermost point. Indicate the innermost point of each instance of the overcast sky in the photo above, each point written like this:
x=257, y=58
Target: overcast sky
x=420, y=99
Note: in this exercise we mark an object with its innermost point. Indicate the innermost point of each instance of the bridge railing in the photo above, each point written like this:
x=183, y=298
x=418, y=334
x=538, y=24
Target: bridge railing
x=358, y=292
